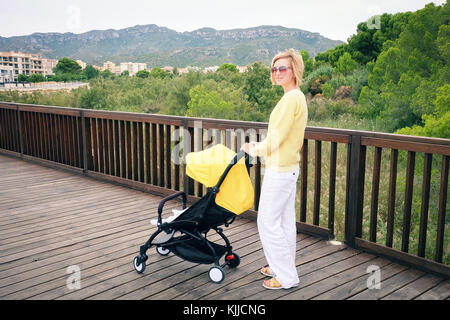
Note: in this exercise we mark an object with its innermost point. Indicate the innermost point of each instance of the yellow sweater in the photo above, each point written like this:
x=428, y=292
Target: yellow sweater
x=287, y=123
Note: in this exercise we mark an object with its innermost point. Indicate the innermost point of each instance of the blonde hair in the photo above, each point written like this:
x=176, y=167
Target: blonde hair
x=296, y=64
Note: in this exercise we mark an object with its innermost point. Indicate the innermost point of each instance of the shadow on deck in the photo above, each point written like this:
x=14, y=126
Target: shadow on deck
x=51, y=220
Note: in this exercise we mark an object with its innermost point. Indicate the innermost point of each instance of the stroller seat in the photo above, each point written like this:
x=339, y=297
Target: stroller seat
x=185, y=233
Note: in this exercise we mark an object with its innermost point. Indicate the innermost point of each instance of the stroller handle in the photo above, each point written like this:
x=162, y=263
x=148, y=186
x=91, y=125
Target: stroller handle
x=172, y=196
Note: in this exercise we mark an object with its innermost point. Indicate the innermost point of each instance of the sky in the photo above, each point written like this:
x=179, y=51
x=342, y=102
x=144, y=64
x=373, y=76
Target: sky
x=333, y=19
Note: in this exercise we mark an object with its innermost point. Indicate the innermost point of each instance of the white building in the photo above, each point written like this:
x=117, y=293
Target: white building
x=6, y=73
x=132, y=67
x=48, y=65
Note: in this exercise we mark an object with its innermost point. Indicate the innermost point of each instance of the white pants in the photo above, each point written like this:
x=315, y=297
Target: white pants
x=276, y=224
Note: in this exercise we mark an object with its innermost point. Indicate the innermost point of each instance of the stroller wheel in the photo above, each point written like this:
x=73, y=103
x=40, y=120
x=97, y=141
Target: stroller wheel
x=216, y=274
x=138, y=265
x=162, y=251
x=233, y=260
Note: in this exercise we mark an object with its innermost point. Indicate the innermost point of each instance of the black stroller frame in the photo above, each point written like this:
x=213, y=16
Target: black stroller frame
x=194, y=224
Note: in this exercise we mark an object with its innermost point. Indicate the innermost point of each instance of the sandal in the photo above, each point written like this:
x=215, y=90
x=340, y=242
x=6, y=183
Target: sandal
x=266, y=271
x=272, y=284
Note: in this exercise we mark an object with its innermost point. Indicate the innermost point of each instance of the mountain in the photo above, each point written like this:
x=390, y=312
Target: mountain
x=160, y=46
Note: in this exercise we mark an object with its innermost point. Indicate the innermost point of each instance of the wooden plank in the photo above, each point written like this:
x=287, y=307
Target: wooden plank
x=389, y=285
x=360, y=284
x=330, y=278
x=415, y=288
x=438, y=292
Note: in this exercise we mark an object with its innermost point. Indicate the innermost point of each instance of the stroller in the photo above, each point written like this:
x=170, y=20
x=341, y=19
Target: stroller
x=186, y=234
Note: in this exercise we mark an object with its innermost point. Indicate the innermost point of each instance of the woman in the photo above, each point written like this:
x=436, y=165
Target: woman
x=281, y=152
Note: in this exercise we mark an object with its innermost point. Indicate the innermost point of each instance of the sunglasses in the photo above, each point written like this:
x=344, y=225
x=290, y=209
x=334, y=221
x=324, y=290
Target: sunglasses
x=281, y=69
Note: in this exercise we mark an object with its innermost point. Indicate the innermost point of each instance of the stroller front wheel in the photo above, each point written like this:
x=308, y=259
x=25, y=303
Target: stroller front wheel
x=162, y=251
x=216, y=274
x=138, y=265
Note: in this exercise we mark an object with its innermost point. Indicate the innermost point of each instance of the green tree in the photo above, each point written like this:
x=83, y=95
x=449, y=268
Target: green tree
x=90, y=72
x=308, y=63
x=22, y=78
x=260, y=91
x=159, y=73
x=66, y=65
x=228, y=66
x=106, y=74
x=328, y=90
x=178, y=96
x=345, y=65
x=403, y=83
x=209, y=104
x=142, y=74
x=36, y=77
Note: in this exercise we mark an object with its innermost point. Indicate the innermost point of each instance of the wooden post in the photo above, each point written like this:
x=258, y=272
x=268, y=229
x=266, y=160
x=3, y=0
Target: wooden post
x=20, y=131
x=84, y=148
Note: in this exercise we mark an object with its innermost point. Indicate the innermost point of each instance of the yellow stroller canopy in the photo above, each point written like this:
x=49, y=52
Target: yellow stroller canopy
x=236, y=192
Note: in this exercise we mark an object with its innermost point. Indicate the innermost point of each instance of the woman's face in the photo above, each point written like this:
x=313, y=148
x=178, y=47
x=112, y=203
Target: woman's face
x=285, y=76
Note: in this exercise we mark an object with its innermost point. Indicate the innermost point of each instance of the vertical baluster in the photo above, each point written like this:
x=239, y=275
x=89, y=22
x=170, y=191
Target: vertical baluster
x=317, y=178
x=191, y=141
x=123, y=149
x=58, y=138
x=2, y=128
x=147, y=153
x=257, y=176
x=95, y=142
x=176, y=167
x=154, y=155
x=304, y=181
x=117, y=155
x=44, y=124
x=168, y=157
x=141, y=151
x=425, y=204
x=442, y=210
x=23, y=120
x=76, y=142
x=375, y=193
x=37, y=135
x=332, y=188
x=408, y=200
x=199, y=136
x=51, y=141
x=107, y=145
x=391, y=199
x=129, y=159
x=161, y=155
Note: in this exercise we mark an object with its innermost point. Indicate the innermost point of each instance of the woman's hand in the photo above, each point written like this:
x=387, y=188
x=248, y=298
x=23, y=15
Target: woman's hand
x=247, y=146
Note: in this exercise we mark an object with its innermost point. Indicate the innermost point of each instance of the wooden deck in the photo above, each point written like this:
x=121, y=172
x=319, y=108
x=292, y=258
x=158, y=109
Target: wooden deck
x=51, y=220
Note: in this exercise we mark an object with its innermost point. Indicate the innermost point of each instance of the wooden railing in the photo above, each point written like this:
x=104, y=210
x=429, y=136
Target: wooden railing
x=406, y=203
